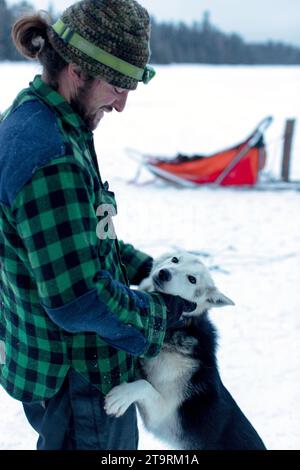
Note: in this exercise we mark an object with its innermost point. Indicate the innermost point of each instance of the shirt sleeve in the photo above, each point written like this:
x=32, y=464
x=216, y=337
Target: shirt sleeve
x=56, y=220
x=138, y=264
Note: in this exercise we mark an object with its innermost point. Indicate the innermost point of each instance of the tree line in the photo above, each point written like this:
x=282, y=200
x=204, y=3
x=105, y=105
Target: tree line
x=200, y=42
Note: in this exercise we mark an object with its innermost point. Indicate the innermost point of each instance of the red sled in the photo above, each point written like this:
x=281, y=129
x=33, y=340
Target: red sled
x=236, y=166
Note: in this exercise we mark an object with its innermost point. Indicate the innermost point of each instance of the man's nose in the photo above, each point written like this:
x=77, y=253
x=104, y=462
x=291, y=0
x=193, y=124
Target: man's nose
x=120, y=101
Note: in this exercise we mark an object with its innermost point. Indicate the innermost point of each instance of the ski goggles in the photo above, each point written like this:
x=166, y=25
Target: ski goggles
x=105, y=58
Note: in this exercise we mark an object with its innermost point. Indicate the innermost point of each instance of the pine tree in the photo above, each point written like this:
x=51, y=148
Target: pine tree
x=200, y=42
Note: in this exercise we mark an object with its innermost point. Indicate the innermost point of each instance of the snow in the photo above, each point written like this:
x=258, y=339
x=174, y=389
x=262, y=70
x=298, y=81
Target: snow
x=249, y=239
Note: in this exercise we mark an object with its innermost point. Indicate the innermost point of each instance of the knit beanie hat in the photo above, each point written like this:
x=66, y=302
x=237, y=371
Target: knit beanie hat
x=107, y=39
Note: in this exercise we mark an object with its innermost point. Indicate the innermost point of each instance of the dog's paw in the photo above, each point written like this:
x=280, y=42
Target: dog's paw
x=118, y=400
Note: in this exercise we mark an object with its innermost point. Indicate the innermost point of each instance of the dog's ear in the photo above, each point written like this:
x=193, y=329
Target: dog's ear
x=215, y=298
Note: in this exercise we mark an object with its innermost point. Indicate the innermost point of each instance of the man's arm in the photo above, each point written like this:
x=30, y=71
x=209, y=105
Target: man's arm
x=56, y=221
x=138, y=264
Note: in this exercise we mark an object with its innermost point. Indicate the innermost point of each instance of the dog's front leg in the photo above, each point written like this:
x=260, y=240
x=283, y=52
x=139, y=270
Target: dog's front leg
x=149, y=401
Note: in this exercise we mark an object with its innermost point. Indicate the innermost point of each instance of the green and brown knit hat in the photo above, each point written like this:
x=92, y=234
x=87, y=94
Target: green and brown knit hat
x=107, y=39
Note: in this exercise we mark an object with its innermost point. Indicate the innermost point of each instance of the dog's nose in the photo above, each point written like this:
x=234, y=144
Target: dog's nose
x=164, y=275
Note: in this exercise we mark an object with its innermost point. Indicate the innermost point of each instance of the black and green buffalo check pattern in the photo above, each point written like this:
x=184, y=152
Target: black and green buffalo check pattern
x=51, y=256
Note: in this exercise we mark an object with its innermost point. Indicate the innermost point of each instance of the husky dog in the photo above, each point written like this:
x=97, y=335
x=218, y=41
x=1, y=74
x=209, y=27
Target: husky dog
x=182, y=399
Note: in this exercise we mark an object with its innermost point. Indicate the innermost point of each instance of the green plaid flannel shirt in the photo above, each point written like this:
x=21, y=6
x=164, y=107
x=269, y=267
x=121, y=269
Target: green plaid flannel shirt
x=52, y=260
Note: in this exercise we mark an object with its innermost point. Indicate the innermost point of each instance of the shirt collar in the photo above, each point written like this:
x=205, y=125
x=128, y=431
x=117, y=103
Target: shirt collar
x=58, y=103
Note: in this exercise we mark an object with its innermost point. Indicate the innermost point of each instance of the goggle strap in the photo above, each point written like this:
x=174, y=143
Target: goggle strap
x=98, y=54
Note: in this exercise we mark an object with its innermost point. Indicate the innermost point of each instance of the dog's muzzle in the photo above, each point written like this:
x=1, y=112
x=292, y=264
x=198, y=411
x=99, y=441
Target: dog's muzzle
x=164, y=275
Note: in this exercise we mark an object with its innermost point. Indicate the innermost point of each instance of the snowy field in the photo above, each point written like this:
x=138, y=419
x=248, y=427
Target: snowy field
x=251, y=239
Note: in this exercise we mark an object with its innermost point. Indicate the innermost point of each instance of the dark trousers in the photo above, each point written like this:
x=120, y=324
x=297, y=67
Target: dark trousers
x=74, y=419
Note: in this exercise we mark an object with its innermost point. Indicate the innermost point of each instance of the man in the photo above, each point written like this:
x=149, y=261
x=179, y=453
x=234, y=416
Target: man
x=71, y=327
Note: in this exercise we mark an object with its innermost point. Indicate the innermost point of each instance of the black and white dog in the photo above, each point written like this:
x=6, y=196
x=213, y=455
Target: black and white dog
x=182, y=399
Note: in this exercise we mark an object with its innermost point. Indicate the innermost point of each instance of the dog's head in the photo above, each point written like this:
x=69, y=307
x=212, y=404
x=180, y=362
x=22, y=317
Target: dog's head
x=185, y=275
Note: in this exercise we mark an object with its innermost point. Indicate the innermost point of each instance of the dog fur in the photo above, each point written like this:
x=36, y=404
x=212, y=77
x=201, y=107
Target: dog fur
x=182, y=399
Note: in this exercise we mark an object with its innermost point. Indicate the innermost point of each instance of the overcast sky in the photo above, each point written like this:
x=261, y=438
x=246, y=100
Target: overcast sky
x=255, y=20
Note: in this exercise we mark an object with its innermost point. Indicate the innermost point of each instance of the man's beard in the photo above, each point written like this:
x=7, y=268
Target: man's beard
x=79, y=106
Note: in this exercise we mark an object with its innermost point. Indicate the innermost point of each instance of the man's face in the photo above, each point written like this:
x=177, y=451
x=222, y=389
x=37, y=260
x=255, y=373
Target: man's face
x=96, y=97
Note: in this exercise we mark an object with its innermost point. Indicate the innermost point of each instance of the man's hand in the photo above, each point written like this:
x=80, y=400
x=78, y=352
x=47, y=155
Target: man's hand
x=176, y=306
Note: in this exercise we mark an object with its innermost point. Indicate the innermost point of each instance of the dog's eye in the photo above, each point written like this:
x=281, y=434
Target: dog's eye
x=175, y=260
x=192, y=279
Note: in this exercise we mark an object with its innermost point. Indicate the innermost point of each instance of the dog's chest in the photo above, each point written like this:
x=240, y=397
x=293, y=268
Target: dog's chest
x=169, y=372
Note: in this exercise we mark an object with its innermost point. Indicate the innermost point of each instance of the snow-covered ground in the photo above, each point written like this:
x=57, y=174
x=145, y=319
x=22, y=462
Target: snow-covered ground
x=251, y=239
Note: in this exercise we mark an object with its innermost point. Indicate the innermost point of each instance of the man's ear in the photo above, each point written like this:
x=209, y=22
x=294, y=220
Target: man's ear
x=215, y=298
x=76, y=75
